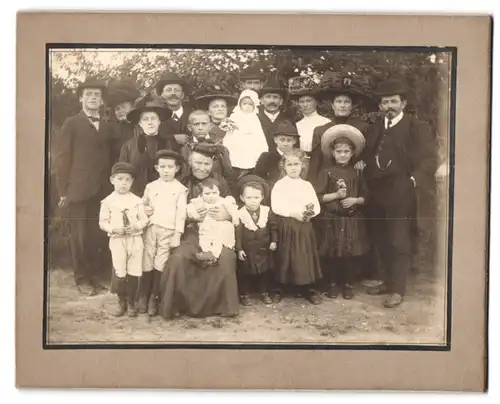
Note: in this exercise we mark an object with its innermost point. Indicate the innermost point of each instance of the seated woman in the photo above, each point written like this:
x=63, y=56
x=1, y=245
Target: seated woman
x=189, y=286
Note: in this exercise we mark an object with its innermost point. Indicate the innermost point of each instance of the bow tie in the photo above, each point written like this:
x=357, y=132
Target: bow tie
x=93, y=118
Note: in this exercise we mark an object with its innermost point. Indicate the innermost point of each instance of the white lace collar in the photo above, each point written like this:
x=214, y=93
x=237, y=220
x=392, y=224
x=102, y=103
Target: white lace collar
x=248, y=222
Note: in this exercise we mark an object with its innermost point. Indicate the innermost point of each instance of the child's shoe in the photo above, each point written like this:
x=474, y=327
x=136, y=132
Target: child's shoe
x=131, y=310
x=333, y=292
x=313, y=297
x=142, y=305
x=245, y=300
x=122, y=307
x=347, y=292
x=153, y=306
x=266, y=299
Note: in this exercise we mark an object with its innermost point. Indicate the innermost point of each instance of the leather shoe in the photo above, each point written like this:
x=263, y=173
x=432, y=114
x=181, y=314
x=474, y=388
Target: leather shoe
x=314, y=298
x=245, y=300
x=276, y=297
x=377, y=290
x=266, y=299
x=87, y=290
x=333, y=292
x=347, y=292
x=393, y=300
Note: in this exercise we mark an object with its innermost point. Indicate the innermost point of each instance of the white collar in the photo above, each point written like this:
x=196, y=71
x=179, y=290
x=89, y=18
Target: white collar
x=394, y=121
x=279, y=152
x=195, y=139
x=178, y=112
x=271, y=116
x=313, y=115
x=248, y=222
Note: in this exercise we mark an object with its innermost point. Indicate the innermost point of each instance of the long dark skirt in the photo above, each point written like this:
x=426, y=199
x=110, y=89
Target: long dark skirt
x=297, y=256
x=191, y=288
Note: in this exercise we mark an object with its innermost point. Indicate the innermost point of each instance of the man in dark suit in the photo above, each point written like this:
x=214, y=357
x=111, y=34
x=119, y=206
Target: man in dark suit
x=173, y=89
x=400, y=155
x=272, y=97
x=82, y=172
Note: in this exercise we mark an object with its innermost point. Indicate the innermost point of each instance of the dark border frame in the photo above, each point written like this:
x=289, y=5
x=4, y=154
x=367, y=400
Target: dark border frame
x=266, y=346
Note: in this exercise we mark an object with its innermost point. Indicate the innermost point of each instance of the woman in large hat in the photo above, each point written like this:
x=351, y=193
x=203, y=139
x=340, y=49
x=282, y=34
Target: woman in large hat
x=343, y=92
x=306, y=94
x=218, y=101
x=121, y=97
x=140, y=151
x=340, y=227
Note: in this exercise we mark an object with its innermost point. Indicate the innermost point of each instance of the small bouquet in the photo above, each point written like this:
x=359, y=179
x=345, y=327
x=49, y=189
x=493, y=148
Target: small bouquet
x=308, y=212
x=228, y=125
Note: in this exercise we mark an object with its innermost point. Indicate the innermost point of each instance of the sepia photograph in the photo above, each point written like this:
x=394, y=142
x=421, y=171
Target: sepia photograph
x=240, y=196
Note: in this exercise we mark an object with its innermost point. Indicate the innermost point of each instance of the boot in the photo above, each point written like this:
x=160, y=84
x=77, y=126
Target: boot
x=121, y=291
x=132, y=283
x=145, y=285
x=155, y=294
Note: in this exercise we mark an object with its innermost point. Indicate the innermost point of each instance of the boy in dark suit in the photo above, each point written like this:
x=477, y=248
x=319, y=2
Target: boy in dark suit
x=400, y=156
x=82, y=166
x=285, y=138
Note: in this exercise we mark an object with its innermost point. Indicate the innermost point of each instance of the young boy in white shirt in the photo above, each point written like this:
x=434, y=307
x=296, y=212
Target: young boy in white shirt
x=123, y=217
x=165, y=201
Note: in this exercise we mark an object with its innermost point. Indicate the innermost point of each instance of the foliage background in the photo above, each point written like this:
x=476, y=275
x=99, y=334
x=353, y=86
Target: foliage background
x=426, y=73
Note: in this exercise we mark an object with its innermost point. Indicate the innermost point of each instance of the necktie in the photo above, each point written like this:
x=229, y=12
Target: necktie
x=382, y=163
x=94, y=118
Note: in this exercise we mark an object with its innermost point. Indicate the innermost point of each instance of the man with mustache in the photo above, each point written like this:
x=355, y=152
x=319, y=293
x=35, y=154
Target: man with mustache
x=82, y=169
x=272, y=97
x=171, y=88
x=400, y=156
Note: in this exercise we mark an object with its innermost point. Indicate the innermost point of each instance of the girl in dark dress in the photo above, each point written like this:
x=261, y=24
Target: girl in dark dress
x=188, y=286
x=295, y=202
x=340, y=228
x=256, y=238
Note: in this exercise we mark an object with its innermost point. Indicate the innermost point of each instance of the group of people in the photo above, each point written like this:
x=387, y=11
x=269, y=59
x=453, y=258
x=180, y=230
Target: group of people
x=208, y=205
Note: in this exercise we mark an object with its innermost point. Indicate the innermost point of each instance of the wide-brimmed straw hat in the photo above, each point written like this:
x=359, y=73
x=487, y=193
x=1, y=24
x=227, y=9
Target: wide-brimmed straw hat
x=248, y=179
x=148, y=104
x=342, y=130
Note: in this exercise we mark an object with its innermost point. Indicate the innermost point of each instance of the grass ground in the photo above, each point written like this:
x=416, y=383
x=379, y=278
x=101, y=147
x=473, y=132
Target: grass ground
x=73, y=318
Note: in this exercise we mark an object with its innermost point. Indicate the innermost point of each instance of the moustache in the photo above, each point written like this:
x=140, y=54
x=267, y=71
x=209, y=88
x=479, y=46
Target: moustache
x=272, y=104
x=173, y=97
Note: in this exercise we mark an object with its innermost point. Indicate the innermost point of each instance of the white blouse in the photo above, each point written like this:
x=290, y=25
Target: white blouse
x=290, y=196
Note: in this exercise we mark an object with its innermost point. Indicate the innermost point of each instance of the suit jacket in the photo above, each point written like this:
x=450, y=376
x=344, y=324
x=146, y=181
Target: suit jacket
x=82, y=161
x=317, y=161
x=121, y=133
x=409, y=144
x=143, y=162
x=268, y=167
x=171, y=127
x=269, y=127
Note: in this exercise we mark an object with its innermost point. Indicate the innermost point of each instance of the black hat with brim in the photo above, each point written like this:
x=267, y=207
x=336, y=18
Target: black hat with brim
x=123, y=168
x=169, y=78
x=204, y=101
x=295, y=95
x=251, y=73
x=391, y=87
x=162, y=112
x=120, y=91
x=169, y=154
x=251, y=178
x=92, y=83
x=283, y=92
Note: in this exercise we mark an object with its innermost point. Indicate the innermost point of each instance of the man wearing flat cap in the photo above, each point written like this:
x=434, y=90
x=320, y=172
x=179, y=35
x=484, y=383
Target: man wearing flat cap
x=82, y=169
x=400, y=156
x=172, y=89
x=272, y=96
